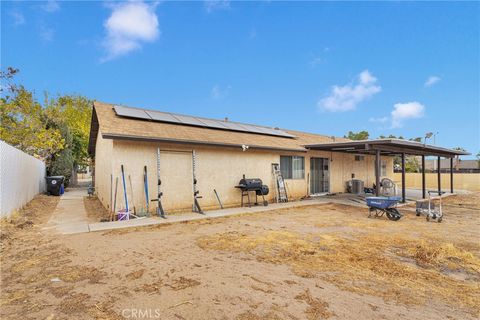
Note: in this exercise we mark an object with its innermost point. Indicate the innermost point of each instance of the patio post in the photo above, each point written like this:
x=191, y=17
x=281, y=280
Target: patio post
x=377, y=173
x=423, y=178
x=403, y=177
x=451, y=175
x=439, y=176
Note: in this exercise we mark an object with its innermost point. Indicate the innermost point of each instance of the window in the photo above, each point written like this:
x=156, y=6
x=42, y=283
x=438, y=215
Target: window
x=383, y=168
x=359, y=158
x=292, y=167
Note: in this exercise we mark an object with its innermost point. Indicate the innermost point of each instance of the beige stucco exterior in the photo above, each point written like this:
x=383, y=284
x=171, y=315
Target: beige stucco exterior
x=218, y=168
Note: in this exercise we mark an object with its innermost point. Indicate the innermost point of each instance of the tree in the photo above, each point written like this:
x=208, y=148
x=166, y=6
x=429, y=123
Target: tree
x=24, y=123
x=411, y=164
x=72, y=114
x=361, y=135
x=56, y=132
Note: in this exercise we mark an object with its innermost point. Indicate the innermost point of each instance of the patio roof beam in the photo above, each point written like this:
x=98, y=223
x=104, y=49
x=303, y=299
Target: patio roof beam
x=377, y=173
x=424, y=193
x=451, y=175
x=439, y=176
x=403, y=178
x=400, y=150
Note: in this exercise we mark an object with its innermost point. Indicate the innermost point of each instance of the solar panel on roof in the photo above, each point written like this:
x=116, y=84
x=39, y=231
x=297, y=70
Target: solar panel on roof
x=279, y=132
x=131, y=112
x=161, y=116
x=213, y=123
x=233, y=126
x=196, y=121
x=189, y=120
x=253, y=128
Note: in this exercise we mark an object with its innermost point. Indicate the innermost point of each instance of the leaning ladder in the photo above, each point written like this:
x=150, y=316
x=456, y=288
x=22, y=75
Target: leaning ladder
x=160, y=211
x=196, y=196
x=280, y=190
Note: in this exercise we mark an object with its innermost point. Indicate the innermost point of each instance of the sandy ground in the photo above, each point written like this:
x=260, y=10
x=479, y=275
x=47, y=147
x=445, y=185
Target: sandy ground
x=317, y=262
x=96, y=212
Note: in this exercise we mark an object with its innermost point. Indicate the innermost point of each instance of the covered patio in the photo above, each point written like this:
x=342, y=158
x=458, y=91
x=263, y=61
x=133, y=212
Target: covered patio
x=395, y=147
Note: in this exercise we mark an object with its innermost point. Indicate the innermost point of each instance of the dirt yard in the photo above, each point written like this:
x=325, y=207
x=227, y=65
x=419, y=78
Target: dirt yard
x=315, y=262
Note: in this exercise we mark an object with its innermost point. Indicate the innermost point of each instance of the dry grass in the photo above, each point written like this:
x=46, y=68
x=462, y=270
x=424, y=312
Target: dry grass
x=317, y=309
x=374, y=257
x=182, y=283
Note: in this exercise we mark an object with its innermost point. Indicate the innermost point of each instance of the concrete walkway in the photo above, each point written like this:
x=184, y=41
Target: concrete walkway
x=69, y=216
x=102, y=226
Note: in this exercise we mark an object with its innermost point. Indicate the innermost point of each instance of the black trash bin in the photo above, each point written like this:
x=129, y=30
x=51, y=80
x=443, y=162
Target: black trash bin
x=54, y=185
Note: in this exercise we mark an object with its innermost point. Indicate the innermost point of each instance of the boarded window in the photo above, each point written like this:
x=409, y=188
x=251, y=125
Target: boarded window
x=292, y=167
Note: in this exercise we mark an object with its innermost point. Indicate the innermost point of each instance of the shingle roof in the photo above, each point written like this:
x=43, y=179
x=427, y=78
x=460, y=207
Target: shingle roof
x=116, y=127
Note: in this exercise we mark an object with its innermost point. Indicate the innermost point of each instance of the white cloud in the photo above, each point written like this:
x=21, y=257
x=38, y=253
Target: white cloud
x=381, y=119
x=212, y=5
x=219, y=92
x=404, y=111
x=344, y=98
x=130, y=24
x=51, y=6
x=18, y=18
x=431, y=81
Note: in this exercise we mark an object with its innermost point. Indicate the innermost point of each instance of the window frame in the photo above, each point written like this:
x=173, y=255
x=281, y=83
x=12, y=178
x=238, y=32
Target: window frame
x=293, y=172
x=383, y=168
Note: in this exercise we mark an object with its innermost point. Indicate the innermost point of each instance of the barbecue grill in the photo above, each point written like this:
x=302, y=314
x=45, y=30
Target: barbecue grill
x=253, y=185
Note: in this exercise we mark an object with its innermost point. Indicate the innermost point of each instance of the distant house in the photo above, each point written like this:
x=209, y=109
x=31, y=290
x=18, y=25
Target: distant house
x=459, y=165
x=225, y=151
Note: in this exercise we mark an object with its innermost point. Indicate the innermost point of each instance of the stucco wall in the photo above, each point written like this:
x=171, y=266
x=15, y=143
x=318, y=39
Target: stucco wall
x=216, y=168
x=103, y=169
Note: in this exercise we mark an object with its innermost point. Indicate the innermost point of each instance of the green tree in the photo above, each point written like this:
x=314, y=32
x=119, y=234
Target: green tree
x=72, y=113
x=361, y=135
x=412, y=164
x=24, y=123
x=57, y=132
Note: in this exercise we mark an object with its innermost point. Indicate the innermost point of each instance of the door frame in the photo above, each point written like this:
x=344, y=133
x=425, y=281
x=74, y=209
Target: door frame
x=310, y=177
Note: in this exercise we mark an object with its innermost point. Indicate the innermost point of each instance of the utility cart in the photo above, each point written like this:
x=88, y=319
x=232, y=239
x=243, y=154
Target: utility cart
x=427, y=207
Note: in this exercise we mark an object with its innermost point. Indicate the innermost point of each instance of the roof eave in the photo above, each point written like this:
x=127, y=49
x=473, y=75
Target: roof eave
x=393, y=146
x=195, y=142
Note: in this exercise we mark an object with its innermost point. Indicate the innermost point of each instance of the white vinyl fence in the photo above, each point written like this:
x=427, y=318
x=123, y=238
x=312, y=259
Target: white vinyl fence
x=21, y=178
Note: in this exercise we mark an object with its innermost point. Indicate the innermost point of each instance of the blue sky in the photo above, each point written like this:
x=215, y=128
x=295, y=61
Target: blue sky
x=389, y=68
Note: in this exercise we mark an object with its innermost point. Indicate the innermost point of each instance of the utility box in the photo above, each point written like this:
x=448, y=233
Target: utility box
x=357, y=186
x=55, y=185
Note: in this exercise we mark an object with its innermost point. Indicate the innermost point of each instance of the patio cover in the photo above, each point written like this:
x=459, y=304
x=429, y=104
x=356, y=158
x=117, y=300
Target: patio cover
x=391, y=147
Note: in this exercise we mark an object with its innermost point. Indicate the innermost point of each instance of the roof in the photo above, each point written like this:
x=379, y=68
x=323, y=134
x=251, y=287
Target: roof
x=445, y=164
x=182, y=119
x=112, y=126
x=387, y=147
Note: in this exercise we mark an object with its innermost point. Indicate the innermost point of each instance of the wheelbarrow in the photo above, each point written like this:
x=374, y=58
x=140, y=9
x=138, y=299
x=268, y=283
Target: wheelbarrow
x=378, y=206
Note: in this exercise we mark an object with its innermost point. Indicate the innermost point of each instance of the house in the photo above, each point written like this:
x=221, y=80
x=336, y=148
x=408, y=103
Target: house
x=459, y=165
x=224, y=152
